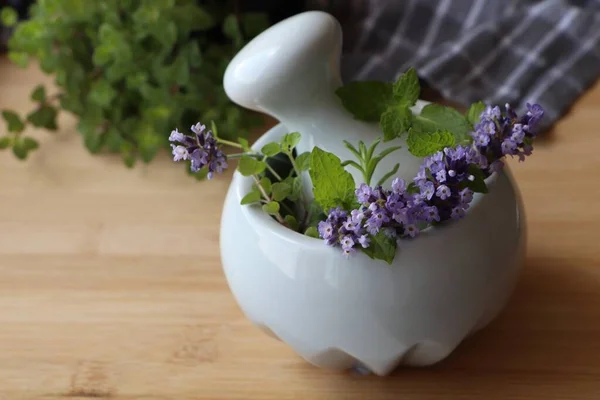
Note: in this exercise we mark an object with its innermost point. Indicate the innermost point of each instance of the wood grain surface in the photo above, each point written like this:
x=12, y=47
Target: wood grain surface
x=110, y=289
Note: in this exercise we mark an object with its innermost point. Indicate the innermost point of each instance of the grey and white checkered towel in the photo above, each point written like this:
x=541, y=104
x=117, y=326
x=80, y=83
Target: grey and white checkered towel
x=498, y=51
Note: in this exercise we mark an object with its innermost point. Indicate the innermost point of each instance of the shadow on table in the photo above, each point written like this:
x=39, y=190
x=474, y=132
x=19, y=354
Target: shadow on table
x=545, y=344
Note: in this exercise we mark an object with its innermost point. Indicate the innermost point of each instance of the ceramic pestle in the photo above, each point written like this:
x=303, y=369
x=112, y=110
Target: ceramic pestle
x=291, y=72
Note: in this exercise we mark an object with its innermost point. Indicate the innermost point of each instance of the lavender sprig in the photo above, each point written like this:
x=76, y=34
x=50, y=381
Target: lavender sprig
x=443, y=188
x=498, y=135
x=202, y=149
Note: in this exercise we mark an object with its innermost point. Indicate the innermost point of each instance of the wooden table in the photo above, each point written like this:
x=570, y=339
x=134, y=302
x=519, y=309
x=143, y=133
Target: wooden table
x=108, y=289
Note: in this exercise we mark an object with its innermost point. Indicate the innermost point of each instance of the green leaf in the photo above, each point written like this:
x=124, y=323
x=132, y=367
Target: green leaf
x=406, y=89
x=265, y=183
x=435, y=117
x=180, y=70
x=412, y=188
x=9, y=17
x=281, y=190
x=333, y=185
x=388, y=175
x=249, y=166
x=291, y=221
x=312, y=232
x=13, y=121
x=5, y=142
x=245, y=144
x=30, y=144
x=474, y=112
x=382, y=247
x=44, y=117
x=366, y=100
x=289, y=141
x=102, y=94
x=20, y=59
x=252, y=197
x=303, y=161
x=271, y=149
x=113, y=139
x=296, y=192
x=127, y=154
x=231, y=29
x=271, y=207
x=39, y=94
x=478, y=185
x=395, y=121
x=422, y=144
x=19, y=149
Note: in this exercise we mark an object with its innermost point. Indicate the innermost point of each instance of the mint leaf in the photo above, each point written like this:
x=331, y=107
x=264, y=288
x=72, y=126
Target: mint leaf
x=382, y=247
x=44, y=117
x=271, y=149
x=366, y=100
x=14, y=122
x=289, y=141
x=281, y=190
x=406, y=89
x=333, y=185
x=39, y=94
x=252, y=197
x=303, y=161
x=395, y=121
x=249, y=166
x=265, y=183
x=435, y=117
x=296, y=192
x=30, y=144
x=9, y=17
x=271, y=207
x=312, y=232
x=5, y=142
x=244, y=143
x=422, y=144
x=474, y=112
x=291, y=221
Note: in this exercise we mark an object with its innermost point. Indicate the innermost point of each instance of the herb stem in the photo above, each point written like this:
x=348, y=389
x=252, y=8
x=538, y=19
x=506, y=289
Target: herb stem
x=229, y=143
x=294, y=164
x=275, y=174
x=267, y=197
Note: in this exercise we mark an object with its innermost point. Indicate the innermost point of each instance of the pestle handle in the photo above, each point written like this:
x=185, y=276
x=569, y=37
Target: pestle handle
x=287, y=66
x=291, y=72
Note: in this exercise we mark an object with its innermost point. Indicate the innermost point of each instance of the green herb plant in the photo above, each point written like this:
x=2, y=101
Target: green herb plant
x=128, y=69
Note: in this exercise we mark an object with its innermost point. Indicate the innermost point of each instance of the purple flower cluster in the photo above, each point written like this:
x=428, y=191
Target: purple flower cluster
x=202, y=149
x=499, y=134
x=392, y=212
x=443, y=180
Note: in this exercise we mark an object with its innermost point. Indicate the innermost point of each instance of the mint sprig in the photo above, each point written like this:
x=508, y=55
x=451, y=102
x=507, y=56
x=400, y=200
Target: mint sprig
x=394, y=101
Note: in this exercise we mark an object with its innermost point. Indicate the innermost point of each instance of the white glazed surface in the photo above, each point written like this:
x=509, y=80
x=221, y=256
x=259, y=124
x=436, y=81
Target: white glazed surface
x=291, y=72
x=335, y=312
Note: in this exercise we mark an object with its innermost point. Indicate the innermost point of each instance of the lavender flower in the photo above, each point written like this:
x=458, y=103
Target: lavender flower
x=389, y=212
x=202, y=149
x=442, y=191
x=498, y=135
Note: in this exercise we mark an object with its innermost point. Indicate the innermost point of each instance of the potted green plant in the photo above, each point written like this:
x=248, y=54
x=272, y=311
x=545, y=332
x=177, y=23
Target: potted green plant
x=128, y=70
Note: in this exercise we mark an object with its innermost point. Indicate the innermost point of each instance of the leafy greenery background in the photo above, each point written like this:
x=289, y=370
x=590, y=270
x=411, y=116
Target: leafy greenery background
x=131, y=70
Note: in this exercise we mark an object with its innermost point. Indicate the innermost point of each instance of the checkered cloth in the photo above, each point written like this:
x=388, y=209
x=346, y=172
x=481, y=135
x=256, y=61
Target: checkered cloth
x=498, y=51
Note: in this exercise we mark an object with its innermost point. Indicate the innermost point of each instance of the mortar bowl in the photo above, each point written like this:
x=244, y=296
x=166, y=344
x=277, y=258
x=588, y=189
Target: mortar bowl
x=338, y=312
